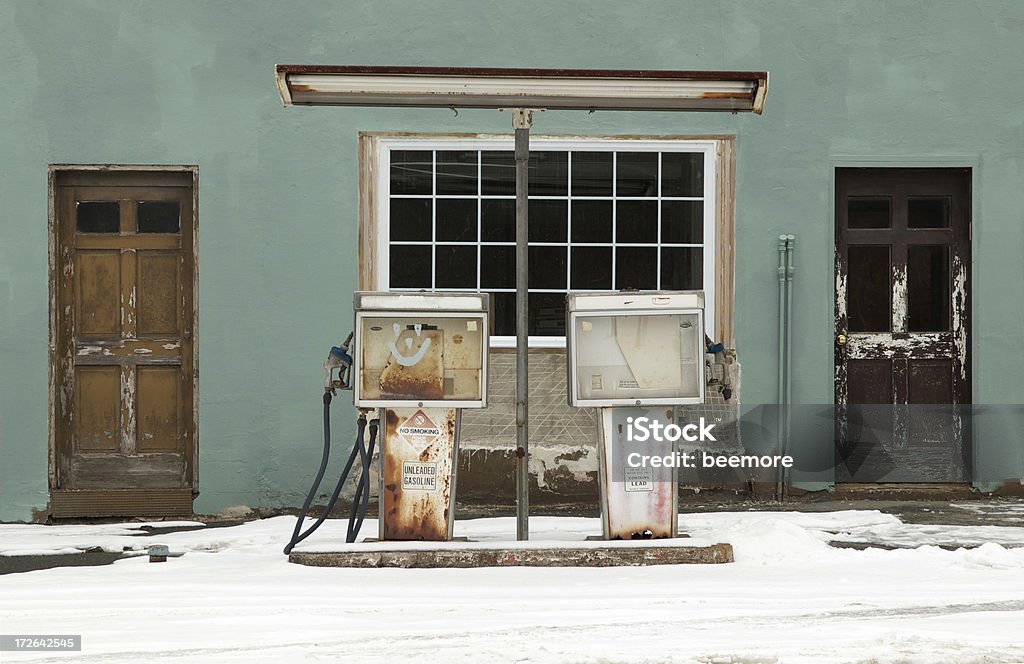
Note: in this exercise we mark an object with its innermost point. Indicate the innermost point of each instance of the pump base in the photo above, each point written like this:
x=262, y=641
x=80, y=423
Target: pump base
x=608, y=554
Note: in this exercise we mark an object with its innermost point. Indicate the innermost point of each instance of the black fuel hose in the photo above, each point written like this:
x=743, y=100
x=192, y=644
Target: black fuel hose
x=360, y=430
x=362, y=496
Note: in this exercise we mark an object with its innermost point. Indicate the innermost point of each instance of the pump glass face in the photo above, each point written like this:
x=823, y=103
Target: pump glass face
x=652, y=358
x=413, y=358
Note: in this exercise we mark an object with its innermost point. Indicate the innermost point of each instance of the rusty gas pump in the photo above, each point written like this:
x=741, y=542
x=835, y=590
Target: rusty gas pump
x=420, y=359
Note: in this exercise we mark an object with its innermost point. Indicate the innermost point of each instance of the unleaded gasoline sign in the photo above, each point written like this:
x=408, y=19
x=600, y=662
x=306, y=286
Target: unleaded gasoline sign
x=419, y=476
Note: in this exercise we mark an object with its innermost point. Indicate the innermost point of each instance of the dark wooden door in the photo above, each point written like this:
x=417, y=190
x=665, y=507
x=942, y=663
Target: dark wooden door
x=902, y=364
x=124, y=370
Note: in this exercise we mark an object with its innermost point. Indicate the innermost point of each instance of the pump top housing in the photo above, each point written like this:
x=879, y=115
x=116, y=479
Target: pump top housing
x=638, y=348
x=421, y=349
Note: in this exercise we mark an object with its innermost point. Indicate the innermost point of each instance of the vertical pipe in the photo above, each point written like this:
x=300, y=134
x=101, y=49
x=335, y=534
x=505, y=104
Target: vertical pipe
x=790, y=270
x=521, y=123
x=782, y=359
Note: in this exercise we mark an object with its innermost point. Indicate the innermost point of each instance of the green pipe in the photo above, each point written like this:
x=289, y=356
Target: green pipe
x=790, y=271
x=782, y=357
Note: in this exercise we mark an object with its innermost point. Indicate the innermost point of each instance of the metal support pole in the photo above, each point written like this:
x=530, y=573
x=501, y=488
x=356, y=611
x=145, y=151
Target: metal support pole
x=521, y=121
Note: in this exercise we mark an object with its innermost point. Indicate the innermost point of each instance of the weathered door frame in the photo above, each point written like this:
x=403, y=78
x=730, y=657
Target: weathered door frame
x=972, y=162
x=156, y=501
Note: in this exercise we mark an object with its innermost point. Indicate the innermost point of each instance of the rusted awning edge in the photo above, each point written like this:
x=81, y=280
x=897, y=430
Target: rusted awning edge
x=606, y=89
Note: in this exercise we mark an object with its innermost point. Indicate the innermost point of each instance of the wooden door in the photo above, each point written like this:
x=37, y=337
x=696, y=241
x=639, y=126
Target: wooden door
x=123, y=367
x=902, y=365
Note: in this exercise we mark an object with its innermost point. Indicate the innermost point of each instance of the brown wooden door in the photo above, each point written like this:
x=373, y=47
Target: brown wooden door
x=124, y=358
x=902, y=365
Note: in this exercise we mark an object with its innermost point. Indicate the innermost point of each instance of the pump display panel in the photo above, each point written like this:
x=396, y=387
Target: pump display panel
x=421, y=349
x=641, y=348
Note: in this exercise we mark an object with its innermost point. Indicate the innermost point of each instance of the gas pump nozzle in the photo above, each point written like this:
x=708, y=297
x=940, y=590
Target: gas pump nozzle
x=339, y=359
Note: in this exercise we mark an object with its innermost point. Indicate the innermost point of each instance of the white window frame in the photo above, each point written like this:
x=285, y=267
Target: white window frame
x=382, y=190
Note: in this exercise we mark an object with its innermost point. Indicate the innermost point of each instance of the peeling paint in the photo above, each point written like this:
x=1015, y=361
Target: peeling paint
x=899, y=298
x=128, y=386
x=580, y=462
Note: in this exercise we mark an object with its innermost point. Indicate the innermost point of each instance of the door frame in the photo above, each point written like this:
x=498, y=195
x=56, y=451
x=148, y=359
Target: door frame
x=972, y=162
x=56, y=390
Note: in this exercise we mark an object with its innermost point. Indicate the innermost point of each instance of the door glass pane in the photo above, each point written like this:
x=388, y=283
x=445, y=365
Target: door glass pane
x=866, y=212
x=456, y=172
x=412, y=172
x=928, y=288
x=159, y=217
x=928, y=212
x=98, y=216
x=868, y=289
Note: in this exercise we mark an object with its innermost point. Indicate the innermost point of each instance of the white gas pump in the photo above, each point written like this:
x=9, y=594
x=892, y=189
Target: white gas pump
x=419, y=358
x=635, y=355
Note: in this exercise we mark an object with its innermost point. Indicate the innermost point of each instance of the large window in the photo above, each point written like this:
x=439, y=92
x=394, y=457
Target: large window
x=604, y=215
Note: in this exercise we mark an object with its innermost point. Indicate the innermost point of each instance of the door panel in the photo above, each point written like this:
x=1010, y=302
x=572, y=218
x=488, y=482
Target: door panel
x=97, y=305
x=159, y=307
x=123, y=365
x=902, y=368
x=97, y=400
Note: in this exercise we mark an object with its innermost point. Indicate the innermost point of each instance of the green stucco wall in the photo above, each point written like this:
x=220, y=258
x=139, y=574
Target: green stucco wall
x=190, y=82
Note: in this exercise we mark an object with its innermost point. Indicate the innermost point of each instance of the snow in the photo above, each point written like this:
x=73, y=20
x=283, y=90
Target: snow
x=789, y=597
x=25, y=540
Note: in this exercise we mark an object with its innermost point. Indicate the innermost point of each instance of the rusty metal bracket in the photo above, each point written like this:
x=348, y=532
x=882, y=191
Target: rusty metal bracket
x=522, y=118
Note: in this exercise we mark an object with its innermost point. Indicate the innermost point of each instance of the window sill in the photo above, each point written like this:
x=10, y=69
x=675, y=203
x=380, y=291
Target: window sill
x=508, y=344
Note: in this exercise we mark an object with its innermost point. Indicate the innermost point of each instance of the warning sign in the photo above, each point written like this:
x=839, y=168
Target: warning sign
x=418, y=476
x=419, y=430
x=639, y=479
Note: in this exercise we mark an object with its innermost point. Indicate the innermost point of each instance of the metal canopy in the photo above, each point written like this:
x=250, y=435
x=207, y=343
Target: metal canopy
x=522, y=91
x=563, y=89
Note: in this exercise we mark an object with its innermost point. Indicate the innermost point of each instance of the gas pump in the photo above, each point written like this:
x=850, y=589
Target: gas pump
x=418, y=359
x=635, y=355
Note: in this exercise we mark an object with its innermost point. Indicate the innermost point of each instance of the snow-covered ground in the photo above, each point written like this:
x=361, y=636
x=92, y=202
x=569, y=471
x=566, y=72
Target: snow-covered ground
x=789, y=597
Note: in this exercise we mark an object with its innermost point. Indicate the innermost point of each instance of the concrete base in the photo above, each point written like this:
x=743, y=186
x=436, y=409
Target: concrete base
x=449, y=556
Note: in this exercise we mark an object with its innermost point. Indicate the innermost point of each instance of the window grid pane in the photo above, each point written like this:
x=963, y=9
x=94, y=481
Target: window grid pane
x=478, y=218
